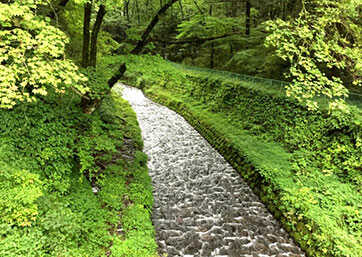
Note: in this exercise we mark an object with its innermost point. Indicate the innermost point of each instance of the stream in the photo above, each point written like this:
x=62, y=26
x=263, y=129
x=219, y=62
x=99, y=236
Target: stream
x=202, y=205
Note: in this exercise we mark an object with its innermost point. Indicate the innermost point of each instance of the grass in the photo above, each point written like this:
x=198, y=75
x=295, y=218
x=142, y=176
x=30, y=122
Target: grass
x=304, y=165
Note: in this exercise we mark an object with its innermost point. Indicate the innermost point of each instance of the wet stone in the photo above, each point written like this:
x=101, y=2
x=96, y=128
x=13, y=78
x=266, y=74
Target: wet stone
x=202, y=205
x=206, y=250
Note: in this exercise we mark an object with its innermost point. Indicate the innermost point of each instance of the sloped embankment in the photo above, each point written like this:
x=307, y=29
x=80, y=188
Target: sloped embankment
x=304, y=165
x=48, y=207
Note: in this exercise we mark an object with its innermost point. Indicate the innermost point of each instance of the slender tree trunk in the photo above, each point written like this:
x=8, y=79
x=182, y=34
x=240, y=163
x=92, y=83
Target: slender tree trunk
x=126, y=10
x=86, y=34
x=58, y=8
x=138, y=13
x=122, y=69
x=247, y=23
x=141, y=43
x=95, y=32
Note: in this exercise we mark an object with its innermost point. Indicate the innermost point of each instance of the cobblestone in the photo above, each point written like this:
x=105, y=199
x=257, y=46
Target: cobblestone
x=202, y=205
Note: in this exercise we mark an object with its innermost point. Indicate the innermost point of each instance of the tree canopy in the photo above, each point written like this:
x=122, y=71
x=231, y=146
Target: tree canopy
x=316, y=45
x=32, y=56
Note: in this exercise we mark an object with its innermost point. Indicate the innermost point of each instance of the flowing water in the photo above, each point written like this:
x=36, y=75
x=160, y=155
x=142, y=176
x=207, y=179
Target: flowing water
x=202, y=205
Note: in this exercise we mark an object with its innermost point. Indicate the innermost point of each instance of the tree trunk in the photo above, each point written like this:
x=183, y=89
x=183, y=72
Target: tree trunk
x=86, y=33
x=95, y=32
x=247, y=23
x=141, y=43
x=138, y=13
x=126, y=10
x=122, y=69
x=58, y=8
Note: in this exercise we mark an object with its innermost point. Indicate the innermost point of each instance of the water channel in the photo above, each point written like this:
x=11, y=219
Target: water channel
x=202, y=205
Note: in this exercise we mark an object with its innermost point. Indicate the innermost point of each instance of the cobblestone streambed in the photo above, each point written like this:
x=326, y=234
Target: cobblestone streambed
x=202, y=205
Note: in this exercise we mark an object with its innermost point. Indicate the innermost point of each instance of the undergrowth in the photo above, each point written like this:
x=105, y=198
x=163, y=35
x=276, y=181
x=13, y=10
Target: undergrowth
x=51, y=156
x=309, y=162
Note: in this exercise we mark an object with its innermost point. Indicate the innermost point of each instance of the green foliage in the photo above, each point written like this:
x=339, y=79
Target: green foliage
x=126, y=187
x=304, y=164
x=113, y=190
x=47, y=212
x=45, y=136
x=48, y=207
x=139, y=234
x=19, y=190
x=32, y=58
x=52, y=154
x=323, y=48
x=107, y=3
x=201, y=26
x=71, y=21
x=138, y=245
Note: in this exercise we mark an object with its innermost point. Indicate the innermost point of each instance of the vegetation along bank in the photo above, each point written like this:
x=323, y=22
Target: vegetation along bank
x=291, y=156
x=73, y=179
x=50, y=208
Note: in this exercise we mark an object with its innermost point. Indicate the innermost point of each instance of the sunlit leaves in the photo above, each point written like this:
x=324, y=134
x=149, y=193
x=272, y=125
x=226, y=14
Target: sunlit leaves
x=32, y=58
x=322, y=45
x=107, y=3
x=19, y=189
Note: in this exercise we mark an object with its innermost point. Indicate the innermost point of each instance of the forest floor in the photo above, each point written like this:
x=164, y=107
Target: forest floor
x=73, y=184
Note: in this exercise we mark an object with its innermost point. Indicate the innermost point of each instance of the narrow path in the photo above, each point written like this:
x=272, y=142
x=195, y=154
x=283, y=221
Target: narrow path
x=202, y=205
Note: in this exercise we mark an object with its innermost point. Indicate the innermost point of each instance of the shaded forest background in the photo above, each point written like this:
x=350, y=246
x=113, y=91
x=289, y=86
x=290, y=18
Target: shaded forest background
x=315, y=44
